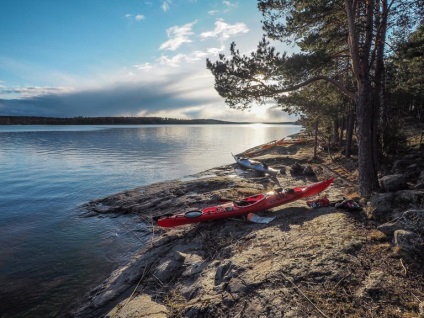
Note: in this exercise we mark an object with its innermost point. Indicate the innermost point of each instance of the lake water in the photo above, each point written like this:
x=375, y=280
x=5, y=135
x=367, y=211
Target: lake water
x=49, y=256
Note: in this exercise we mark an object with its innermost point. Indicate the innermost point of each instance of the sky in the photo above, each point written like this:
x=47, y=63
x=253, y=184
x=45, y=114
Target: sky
x=89, y=58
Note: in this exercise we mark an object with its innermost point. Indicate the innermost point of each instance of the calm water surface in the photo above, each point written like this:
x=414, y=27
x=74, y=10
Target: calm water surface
x=49, y=256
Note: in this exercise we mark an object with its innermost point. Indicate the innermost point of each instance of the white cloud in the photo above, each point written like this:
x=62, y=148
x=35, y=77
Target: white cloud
x=197, y=56
x=166, y=4
x=213, y=12
x=144, y=66
x=224, y=31
x=174, y=61
x=229, y=4
x=193, y=57
x=178, y=36
x=136, y=17
x=215, y=50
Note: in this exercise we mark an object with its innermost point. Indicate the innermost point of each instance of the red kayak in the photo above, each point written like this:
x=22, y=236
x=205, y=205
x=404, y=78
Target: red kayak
x=254, y=203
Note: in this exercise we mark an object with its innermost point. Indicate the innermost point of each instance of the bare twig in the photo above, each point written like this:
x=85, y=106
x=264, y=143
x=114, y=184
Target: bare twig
x=416, y=297
x=160, y=282
x=136, y=287
x=306, y=297
x=131, y=231
x=403, y=266
x=242, y=310
x=338, y=283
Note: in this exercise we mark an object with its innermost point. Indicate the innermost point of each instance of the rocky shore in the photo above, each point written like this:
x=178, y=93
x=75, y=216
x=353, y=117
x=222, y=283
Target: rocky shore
x=308, y=262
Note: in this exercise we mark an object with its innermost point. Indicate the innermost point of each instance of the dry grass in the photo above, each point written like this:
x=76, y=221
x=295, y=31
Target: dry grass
x=377, y=236
x=176, y=304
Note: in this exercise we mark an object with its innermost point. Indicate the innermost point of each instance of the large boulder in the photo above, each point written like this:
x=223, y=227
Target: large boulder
x=394, y=182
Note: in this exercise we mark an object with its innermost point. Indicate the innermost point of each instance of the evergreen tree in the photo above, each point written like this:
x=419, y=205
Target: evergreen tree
x=334, y=36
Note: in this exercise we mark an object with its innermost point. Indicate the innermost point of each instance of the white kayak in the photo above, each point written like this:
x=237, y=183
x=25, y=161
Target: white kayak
x=255, y=165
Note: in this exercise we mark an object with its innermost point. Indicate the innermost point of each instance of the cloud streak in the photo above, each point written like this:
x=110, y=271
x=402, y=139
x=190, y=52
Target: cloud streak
x=223, y=31
x=172, y=92
x=188, y=94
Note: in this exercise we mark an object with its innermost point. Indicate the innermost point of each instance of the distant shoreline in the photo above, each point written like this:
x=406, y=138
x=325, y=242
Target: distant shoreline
x=34, y=120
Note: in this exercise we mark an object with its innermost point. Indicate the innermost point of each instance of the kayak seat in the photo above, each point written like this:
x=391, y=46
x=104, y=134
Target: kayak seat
x=193, y=214
x=242, y=203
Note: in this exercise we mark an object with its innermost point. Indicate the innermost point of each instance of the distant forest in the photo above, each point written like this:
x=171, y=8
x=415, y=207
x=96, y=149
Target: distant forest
x=33, y=120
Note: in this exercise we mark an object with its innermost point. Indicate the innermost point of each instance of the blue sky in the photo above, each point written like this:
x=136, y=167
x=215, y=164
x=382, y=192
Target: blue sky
x=122, y=57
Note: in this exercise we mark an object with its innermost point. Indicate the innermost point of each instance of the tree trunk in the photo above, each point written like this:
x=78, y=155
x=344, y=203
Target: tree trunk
x=385, y=115
x=349, y=131
x=316, y=140
x=365, y=117
x=336, y=126
x=360, y=51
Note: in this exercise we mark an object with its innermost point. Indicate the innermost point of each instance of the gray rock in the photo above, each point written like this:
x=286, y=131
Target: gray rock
x=408, y=241
x=170, y=267
x=413, y=171
x=308, y=171
x=192, y=312
x=237, y=287
x=400, y=165
x=421, y=177
x=381, y=205
x=411, y=220
x=393, y=182
x=221, y=272
x=296, y=168
x=408, y=196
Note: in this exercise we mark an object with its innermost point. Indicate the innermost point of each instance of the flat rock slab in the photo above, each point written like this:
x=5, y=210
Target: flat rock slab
x=305, y=263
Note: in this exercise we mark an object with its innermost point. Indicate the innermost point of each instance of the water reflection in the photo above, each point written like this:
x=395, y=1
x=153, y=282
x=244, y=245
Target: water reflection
x=49, y=256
